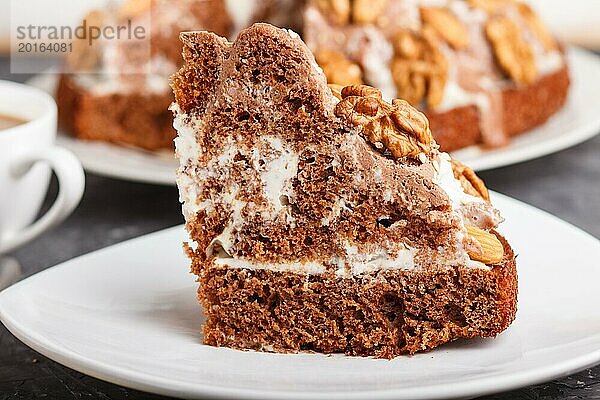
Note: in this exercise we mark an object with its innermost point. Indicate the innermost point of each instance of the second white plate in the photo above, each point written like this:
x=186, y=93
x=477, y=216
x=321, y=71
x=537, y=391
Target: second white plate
x=577, y=121
x=128, y=314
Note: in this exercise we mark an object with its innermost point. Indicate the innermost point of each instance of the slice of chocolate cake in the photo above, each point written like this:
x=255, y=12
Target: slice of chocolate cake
x=326, y=219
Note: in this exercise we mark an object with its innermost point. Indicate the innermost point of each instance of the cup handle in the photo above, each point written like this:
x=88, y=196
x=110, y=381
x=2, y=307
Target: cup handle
x=71, y=180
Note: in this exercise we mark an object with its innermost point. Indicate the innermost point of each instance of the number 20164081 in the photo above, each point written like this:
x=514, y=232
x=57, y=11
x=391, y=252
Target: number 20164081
x=45, y=47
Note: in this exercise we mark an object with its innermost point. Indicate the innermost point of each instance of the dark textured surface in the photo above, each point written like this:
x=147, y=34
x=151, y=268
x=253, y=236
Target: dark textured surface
x=566, y=184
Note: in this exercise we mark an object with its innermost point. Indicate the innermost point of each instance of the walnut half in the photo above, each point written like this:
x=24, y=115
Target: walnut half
x=87, y=54
x=398, y=127
x=514, y=55
x=471, y=183
x=134, y=8
x=352, y=11
x=447, y=25
x=338, y=68
x=419, y=68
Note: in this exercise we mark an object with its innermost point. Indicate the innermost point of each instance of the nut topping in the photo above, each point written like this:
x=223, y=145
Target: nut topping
x=338, y=10
x=338, y=69
x=352, y=11
x=491, y=250
x=419, y=68
x=446, y=25
x=134, y=8
x=514, y=55
x=336, y=90
x=490, y=6
x=537, y=27
x=367, y=11
x=398, y=127
x=471, y=183
x=361, y=90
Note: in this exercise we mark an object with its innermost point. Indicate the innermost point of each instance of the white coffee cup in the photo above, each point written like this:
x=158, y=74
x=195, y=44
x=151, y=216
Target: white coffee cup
x=27, y=157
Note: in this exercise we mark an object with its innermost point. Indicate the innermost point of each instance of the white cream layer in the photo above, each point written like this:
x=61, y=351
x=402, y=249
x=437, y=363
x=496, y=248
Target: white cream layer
x=187, y=151
x=309, y=268
x=276, y=175
x=449, y=184
x=360, y=263
x=354, y=263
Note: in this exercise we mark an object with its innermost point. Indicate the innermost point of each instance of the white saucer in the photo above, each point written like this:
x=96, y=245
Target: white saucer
x=578, y=121
x=128, y=314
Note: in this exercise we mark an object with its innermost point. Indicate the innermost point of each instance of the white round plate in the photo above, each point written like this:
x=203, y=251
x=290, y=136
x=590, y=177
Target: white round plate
x=577, y=121
x=128, y=314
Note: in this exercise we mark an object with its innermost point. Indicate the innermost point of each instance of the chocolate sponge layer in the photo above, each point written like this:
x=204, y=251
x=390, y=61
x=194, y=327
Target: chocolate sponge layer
x=382, y=314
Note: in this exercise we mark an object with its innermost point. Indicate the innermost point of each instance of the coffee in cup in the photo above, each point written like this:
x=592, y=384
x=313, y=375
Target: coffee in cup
x=9, y=121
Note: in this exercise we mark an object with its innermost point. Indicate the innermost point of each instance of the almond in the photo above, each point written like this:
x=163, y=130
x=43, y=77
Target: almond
x=336, y=90
x=492, y=250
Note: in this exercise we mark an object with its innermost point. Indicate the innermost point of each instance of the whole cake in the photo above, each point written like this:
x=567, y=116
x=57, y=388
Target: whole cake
x=481, y=70
x=326, y=219
x=118, y=94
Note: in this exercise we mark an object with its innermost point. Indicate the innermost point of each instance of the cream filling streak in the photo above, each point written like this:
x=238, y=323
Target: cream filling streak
x=353, y=264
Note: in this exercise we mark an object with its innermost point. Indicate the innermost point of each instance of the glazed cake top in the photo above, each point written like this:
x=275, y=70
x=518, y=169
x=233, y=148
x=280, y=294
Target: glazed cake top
x=277, y=170
x=436, y=54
